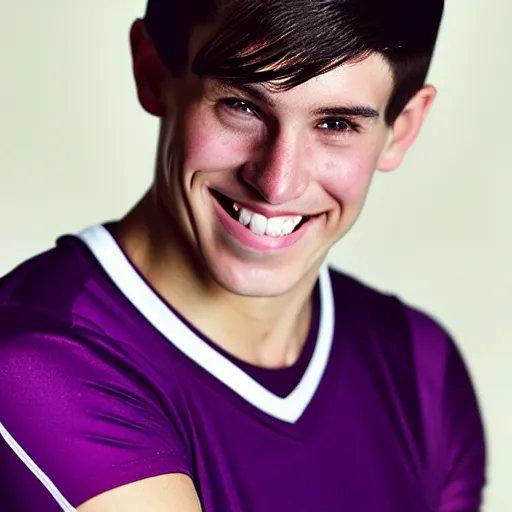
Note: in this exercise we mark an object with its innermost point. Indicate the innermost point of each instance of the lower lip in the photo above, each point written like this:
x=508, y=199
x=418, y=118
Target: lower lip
x=259, y=242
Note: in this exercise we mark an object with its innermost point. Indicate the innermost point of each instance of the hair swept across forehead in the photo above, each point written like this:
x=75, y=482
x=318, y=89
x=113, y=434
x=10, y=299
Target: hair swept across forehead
x=287, y=42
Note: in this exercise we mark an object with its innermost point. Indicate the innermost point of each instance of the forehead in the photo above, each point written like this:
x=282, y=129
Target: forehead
x=367, y=80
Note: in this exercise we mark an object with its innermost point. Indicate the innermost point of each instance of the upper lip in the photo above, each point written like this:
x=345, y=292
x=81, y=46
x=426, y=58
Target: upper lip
x=262, y=210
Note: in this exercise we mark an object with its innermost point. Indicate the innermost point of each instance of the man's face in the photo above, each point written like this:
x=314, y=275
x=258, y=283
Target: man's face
x=262, y=183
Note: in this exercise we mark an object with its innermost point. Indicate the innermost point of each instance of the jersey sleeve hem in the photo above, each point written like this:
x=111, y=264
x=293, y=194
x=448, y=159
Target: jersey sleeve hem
x=124, y=474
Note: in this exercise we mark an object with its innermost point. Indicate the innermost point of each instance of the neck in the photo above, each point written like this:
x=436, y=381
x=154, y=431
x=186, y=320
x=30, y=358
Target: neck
x=266, y=331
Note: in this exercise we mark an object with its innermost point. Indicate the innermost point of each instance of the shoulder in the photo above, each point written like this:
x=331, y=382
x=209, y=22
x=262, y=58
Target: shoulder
x=87, y=407
x=51, y=283
x=430, y=340
x=408, y=345
x=37, y=305
x=422, y=367
x=63, y=318
x=68, y=286
x=51, y=368
x=403, y=342
x=453, y=423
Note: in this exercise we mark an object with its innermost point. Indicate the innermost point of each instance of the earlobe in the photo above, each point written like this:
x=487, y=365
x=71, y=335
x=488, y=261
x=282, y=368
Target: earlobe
x=148, y=70
x=406, y=128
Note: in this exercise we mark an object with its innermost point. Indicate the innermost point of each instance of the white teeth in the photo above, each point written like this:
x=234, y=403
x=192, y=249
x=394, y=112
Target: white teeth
x=275, y=226
x=260, y=225
x=245, y=217
x=288, y=226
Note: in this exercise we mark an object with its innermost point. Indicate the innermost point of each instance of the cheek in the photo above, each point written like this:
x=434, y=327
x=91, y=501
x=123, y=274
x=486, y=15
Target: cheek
x=347, y=178
x=209, y=147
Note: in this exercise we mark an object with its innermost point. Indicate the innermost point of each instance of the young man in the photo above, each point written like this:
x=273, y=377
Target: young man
x=199, y=354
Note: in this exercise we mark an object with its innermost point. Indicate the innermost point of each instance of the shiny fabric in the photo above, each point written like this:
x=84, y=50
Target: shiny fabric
x=98, y=398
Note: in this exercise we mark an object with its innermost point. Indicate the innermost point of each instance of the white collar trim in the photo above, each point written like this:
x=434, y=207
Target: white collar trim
x=288, y=409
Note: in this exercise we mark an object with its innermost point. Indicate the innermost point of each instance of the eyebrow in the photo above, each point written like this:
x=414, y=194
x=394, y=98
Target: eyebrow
x=349, y=111
x=362, y=111
x=250, y=90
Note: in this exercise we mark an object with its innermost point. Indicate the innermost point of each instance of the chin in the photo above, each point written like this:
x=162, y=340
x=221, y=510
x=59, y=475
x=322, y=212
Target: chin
x=262, y=279
x=265, y=284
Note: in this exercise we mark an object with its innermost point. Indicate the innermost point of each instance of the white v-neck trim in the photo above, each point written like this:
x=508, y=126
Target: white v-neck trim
x=148, y=303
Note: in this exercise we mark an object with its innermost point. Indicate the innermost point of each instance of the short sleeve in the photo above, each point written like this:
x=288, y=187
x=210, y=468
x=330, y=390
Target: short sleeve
x=78, y=412
x=455, y=440
x=464, y=440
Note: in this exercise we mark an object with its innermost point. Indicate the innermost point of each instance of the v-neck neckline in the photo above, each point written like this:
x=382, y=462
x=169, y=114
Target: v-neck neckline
x=288, y=409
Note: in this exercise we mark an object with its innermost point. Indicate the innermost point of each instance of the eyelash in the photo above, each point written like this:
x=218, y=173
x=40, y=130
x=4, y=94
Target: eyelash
x=237, y=105
x=234, y=104
x=351, y=126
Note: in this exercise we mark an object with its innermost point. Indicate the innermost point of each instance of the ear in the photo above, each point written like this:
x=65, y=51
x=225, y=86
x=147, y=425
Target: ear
x=406, y=128
x=148, y=70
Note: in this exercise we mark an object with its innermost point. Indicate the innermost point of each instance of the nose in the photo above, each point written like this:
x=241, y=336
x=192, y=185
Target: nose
x=279, y=172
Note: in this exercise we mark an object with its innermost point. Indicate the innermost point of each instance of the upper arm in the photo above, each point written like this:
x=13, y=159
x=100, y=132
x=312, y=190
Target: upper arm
x=452, y=419
x=165, y=493
x=464, y=440
x=80, y=419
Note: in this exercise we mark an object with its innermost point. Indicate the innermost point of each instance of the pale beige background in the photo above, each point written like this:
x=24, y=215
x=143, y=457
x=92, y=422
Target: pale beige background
x=75, y=149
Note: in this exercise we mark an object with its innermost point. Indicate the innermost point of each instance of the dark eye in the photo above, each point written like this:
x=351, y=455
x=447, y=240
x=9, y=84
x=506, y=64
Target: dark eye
x=338, y=125
x=239, y=106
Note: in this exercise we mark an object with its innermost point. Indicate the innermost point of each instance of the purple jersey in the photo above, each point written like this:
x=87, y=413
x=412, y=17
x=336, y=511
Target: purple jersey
x=102, y=384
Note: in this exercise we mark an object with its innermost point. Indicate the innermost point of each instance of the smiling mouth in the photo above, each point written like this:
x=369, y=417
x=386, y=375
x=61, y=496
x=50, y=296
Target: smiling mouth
x=259, y=224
